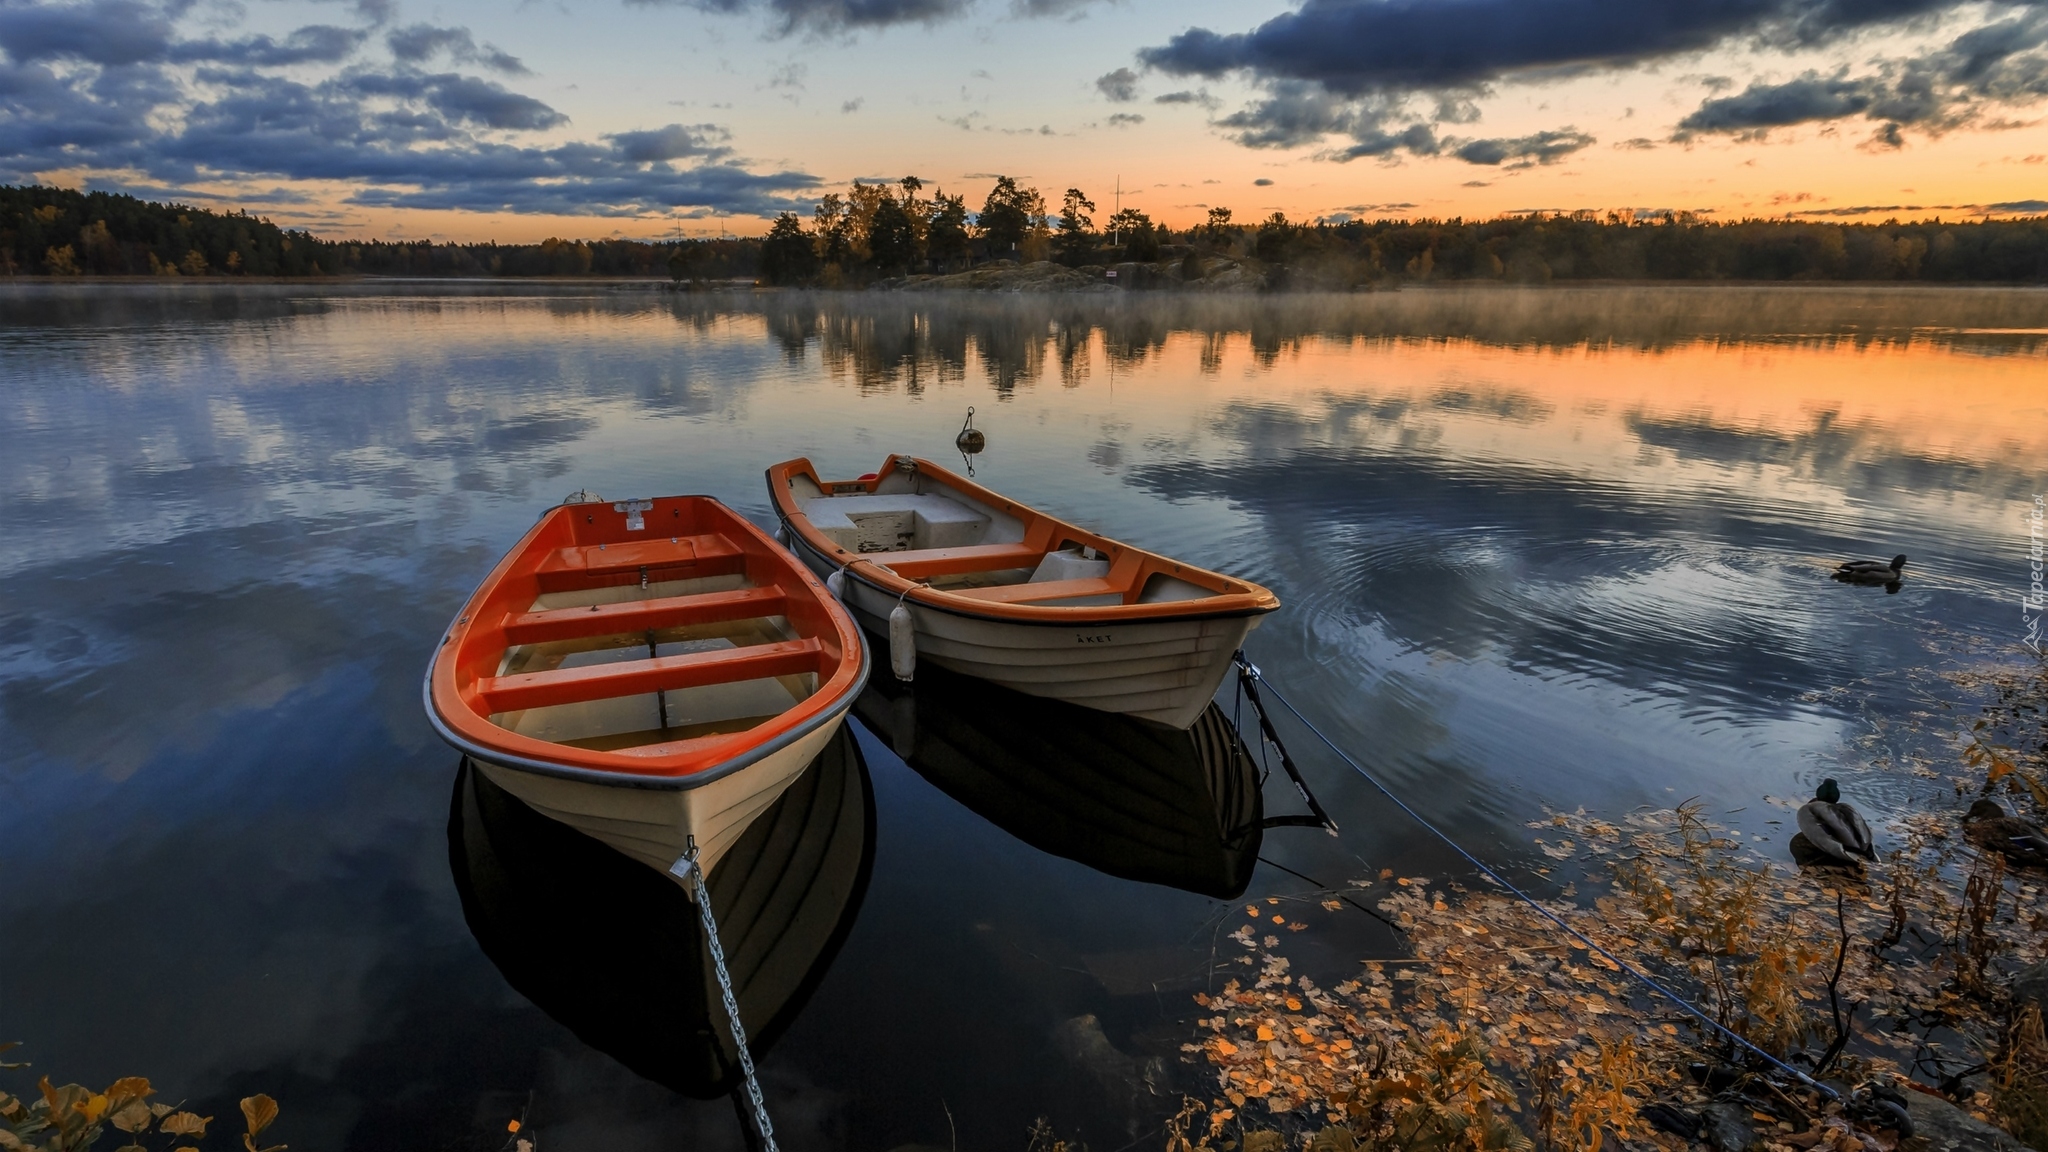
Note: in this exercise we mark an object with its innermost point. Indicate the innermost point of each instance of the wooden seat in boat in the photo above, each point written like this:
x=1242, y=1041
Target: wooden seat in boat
x=556, y=624
x=640, y=677
x=1044, y=590
x=926, y=563
x=585, y=566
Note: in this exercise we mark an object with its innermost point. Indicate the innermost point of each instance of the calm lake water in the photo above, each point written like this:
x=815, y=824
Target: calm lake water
x=1547, y=548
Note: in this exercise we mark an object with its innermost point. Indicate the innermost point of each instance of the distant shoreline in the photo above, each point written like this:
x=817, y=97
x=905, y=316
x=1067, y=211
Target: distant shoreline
x=917, y=286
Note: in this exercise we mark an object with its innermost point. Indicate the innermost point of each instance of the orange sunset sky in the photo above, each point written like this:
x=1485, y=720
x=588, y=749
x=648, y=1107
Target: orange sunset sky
x=481, y=119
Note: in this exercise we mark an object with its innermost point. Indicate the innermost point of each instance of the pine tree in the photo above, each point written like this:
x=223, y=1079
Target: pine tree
x=787, y=254
x=1077, y=237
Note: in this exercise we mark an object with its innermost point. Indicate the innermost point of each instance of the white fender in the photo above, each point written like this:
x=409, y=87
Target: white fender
x=836, y=584
x=902, y=643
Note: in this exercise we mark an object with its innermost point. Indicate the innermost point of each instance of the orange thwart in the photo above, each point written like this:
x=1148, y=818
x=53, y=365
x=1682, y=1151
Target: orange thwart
x=647, y=671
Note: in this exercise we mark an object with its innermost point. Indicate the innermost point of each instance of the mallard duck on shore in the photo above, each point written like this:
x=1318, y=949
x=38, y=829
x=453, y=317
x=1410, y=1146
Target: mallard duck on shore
x=1835, y=828
x=1988, y=826
x=1872, y=571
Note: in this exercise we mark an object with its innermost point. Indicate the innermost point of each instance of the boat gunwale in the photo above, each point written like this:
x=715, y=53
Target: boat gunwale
x=710, y=758
x=872, y=571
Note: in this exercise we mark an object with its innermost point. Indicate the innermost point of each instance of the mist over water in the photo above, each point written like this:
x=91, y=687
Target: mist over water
x=1557, y=548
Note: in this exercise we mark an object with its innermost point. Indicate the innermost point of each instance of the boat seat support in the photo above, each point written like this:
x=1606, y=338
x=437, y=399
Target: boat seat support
x=643, y=615
x=637, y=677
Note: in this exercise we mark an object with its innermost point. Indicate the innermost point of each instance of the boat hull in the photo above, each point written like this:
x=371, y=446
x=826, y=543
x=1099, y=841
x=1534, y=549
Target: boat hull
x=655, y=825
x=1161, y=670
x=621, y=959
x=1123, y=796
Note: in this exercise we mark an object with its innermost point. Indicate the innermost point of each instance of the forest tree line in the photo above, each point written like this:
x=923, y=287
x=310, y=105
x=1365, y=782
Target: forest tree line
x=876, y=231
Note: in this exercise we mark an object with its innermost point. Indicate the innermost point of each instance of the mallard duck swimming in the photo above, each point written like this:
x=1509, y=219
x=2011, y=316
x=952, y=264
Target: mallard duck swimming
x=1872, y=571
x=1834, y=827
x=1988, y=826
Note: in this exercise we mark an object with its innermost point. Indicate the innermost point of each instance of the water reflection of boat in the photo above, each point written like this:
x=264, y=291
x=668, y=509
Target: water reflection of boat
x=995, y=589
x=612, y=949
x=1132, y=798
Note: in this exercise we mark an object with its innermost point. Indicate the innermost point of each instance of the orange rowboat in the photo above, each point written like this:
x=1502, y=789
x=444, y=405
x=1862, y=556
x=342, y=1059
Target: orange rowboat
x=647, y=672
x=980, y=584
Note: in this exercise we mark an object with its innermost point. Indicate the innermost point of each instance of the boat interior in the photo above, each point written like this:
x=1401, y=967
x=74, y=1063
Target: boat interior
x=932, y=529
x=646, y=627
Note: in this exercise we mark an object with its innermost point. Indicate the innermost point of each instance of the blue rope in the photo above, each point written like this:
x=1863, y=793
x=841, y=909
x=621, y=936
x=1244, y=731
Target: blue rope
x=1252, y=670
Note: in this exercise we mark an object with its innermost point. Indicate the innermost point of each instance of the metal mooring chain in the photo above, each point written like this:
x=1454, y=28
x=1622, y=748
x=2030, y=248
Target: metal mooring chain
x=685, y=868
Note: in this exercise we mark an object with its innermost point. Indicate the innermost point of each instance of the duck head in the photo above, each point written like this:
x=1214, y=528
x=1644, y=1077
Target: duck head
x=1984, y=810
x=1828, y=792
x=1899, y=562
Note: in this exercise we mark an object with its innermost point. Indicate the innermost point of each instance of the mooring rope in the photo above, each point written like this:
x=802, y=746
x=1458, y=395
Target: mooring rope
x=685, y=868
x=1252, y=673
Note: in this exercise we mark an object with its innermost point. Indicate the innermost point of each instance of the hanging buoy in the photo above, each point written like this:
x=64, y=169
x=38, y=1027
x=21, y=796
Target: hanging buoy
x=782, y=533
x=902, y=643
x=836, y=584
x=970, y=440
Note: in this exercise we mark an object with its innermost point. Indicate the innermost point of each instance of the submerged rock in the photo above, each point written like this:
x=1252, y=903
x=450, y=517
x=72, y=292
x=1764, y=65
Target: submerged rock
x=2031, y=987
x=1126, y=1083
x=1939, y=1126
x=1727, y=1127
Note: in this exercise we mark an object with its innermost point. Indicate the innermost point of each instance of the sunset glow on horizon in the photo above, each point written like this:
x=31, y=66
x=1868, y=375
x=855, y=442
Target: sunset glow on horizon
x=467, y=120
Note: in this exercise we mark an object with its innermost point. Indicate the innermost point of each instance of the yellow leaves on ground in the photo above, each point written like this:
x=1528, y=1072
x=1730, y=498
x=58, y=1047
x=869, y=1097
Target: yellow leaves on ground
x=1492, y=987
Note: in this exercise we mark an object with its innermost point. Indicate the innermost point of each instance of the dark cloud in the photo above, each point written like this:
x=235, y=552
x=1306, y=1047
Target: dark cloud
x=2001, y=63
x=675, y=142
x=313, y=44
x=419, y=43
x=2027, y=206
x=1810, y=97
x=459, y=99
x=1523, y=151
x=1184, y=97
x=831, y=15
x=1360, y=46
x=1262, y=182
x=106, y=32
x=1391, y=73
x=1414, y=139
x=1123, y=120
x=1120, y=86
x=117, y=100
